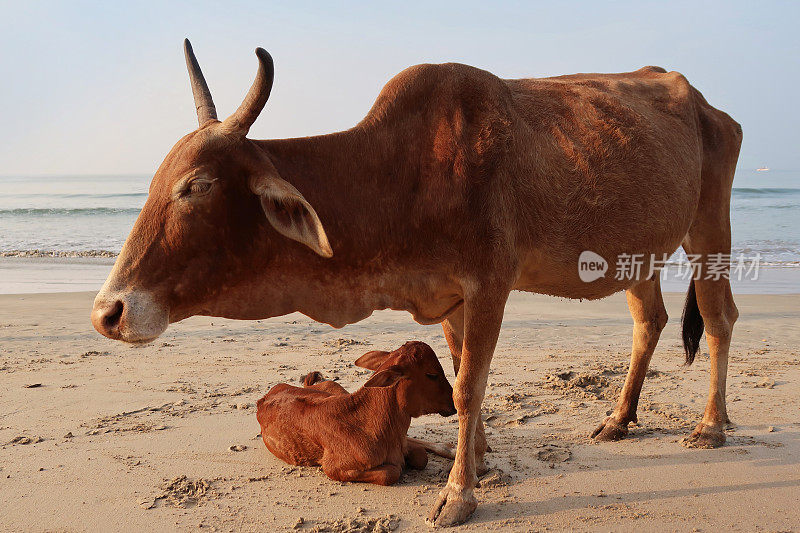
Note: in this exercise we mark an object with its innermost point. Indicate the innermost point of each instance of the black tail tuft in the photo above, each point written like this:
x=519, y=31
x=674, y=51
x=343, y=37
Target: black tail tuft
x=692, y=325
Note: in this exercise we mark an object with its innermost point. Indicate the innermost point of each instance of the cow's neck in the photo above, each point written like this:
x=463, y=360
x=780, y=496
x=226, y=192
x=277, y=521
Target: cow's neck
x=356, y=180
x=332, y=171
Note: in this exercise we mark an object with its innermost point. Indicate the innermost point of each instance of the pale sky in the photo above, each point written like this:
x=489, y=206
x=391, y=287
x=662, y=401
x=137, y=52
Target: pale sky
x=94, y=87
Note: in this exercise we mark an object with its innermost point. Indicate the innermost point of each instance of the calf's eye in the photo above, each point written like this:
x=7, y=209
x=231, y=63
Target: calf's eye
x=433, y=377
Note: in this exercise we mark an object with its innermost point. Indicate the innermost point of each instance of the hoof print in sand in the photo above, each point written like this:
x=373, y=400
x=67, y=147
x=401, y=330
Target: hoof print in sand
x=550, y=453
x=587, y=385
x=517, y=409
x=494, y=478
x=359, y=524
x=182, y=492
x=24, y=439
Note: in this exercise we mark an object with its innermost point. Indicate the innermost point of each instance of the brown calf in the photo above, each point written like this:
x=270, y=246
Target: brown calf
x=359, y=436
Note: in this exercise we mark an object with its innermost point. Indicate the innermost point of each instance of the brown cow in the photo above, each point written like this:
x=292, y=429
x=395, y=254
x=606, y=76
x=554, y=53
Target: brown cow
x=456, y=188
x=359, y=436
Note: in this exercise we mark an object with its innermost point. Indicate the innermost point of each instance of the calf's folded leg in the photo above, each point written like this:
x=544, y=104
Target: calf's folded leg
x=416, y=456
x=385, y=474
x=442, y=450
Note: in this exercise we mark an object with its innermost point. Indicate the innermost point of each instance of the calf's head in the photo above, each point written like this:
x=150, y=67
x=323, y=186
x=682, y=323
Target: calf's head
x=421, y=386
x=208, y=214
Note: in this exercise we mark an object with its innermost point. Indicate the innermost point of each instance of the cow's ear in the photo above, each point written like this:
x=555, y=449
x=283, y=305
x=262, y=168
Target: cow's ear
x=291, y=214
x=372, y=360
x=386, y=377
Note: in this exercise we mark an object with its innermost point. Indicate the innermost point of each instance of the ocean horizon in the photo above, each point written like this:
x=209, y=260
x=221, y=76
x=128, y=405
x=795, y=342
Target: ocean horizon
x=84, y=220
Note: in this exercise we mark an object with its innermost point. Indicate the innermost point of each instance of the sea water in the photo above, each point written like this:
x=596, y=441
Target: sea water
x=78, y=216
x=68, y=213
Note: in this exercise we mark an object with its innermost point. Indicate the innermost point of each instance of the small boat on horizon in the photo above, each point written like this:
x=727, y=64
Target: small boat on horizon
x=765, y=168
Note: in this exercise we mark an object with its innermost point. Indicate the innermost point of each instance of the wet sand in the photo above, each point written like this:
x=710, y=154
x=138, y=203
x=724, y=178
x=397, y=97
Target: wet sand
x=34, y=274
x=97, y=435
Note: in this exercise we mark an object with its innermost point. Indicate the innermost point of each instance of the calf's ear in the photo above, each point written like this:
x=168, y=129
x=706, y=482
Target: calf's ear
x=372, y=360
x=291, y=214
x=386, y=377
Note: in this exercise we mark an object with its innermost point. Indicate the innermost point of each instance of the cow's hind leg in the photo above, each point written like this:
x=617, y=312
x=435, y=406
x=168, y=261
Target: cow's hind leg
x=713, y=301
x=649, y=318
x=709, y=303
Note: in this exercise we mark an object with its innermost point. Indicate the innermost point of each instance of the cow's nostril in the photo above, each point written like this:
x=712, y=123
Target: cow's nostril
x=112, y=317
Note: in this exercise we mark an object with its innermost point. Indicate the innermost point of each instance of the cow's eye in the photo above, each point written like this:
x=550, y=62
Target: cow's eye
x=197, y=187
x=432, y=377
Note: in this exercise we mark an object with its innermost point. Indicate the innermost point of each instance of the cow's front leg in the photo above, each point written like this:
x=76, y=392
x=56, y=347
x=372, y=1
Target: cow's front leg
x=483, y=315
x=453, y=329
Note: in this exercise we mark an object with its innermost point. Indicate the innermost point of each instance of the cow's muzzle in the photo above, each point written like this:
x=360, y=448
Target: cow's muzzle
x=106, y=318
x=129, y=316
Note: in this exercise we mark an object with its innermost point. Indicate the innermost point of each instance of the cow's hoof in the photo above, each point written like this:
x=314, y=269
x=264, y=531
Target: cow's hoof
x=452, y=507
x=610, y=430
x=705, y=436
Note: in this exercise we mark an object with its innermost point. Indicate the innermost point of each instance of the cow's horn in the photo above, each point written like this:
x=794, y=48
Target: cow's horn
x=256, y=98
x=202, y=96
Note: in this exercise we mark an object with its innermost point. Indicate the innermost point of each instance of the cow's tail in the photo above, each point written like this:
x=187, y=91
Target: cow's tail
x=692, y=325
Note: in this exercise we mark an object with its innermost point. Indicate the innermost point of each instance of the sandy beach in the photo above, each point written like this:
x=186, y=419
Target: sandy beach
x=162, y=159
x=96, y=435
